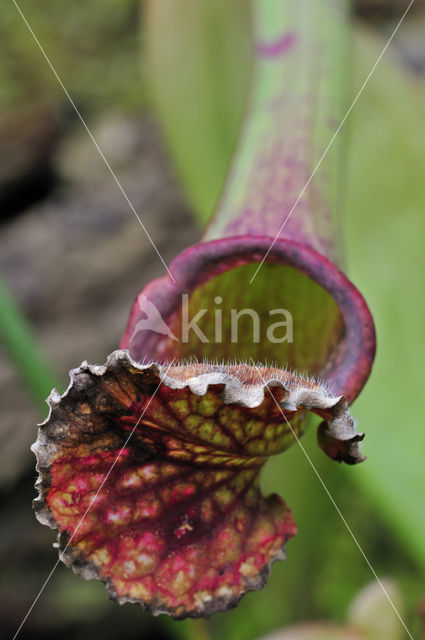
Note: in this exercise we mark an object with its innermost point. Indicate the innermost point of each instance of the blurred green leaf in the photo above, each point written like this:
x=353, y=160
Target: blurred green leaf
x=23, y=348
x=199, y=60
x=385, y=228
x=93, y=45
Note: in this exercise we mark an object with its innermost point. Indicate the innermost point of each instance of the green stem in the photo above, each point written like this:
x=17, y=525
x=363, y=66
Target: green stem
x=190, y=629
x=297, y=102
x=199, y=630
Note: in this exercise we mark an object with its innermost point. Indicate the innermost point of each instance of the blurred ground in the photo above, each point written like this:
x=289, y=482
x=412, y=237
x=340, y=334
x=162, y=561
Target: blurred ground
x=75, y=256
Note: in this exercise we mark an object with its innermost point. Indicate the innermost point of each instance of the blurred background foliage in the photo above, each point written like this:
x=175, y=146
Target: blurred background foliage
x=48, y=175
x=96, y=41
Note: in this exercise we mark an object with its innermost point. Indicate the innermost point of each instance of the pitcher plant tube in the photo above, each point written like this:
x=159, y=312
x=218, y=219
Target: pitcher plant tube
x=149, y=465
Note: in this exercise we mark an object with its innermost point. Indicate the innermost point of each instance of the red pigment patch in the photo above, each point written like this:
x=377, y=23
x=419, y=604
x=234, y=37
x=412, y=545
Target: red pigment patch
x=172, y=518
x=277, y=48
